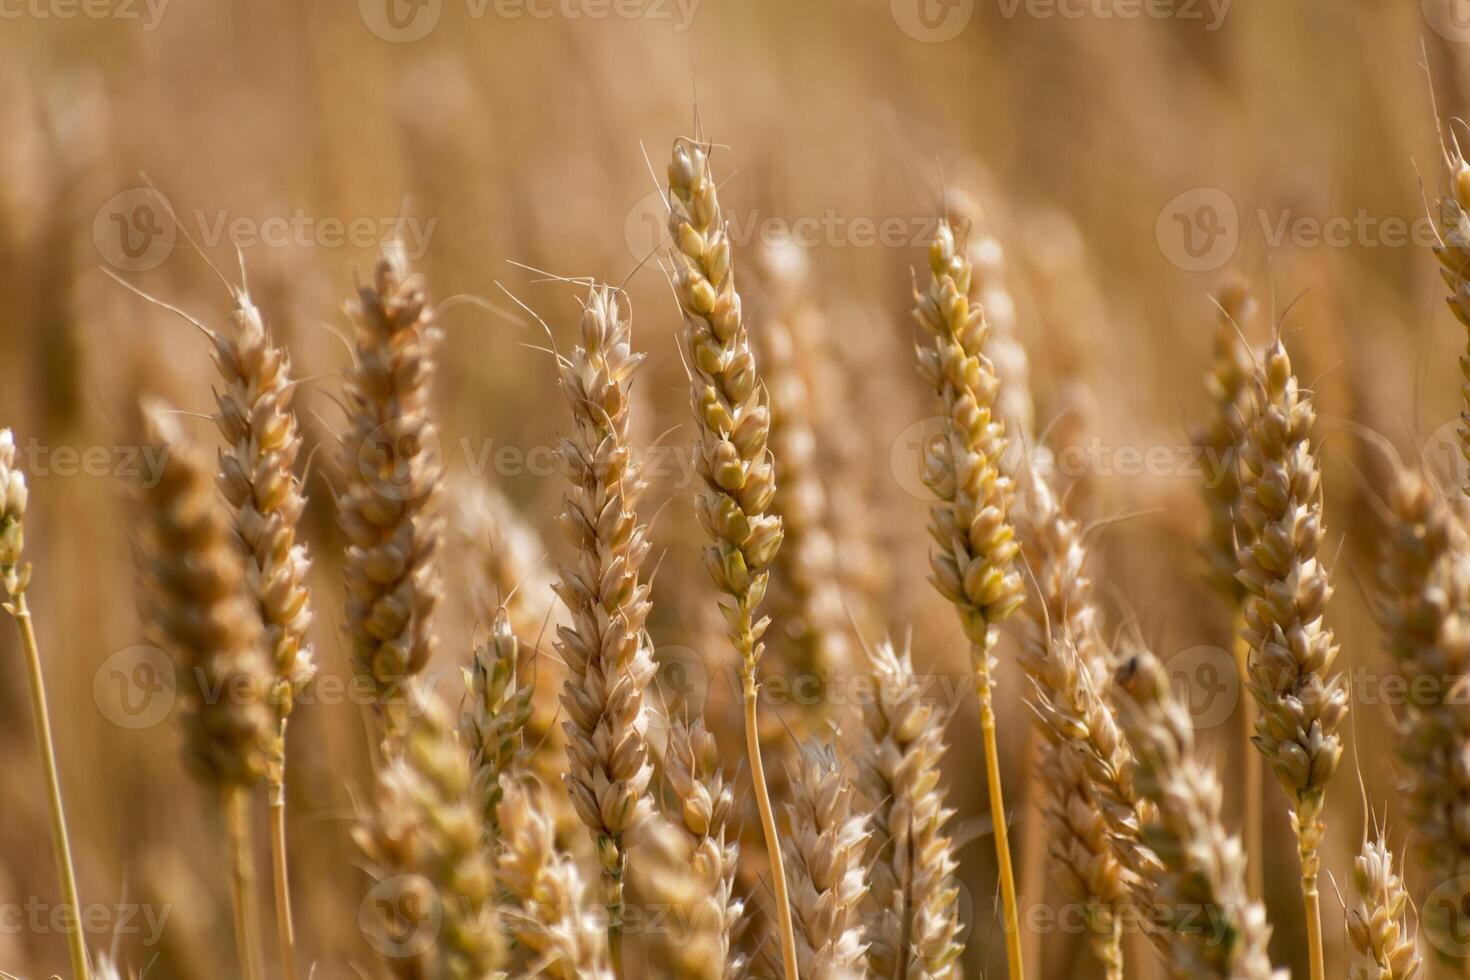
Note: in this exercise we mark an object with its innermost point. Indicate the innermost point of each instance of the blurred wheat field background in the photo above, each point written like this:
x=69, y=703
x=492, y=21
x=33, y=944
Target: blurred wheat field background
x=1126, y=163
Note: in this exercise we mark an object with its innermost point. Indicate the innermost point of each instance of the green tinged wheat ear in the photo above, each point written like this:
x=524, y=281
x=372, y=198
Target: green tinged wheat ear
x=731, y=455
x=974, y=560
x=1279, y=530
x=498, y=707
x=913, y=903
x=1378, y=931
x=1423, y=603
x=554, y=934
x=390, y=472
x=606, y=649
x=825, y=845
x=1453, y=252
x=1212, y=928
x=424, y=838
x=1093, y=810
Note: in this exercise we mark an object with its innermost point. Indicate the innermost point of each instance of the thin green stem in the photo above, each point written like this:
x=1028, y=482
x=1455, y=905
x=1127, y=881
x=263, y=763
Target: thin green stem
x=1254, y=773
x=280, y=870
x=1009, y=909
x=1313, y=905
x=60, y=842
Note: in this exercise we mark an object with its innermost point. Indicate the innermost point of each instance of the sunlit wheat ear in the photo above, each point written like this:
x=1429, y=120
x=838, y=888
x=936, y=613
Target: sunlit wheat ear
x=1228, y=384
x=701, y=807
x=825, y=845
x=974, y=559
x=1453, y=252
x=1380, y=936
x=554, y=933
x=606, y=649
x=424, y=838
x=731, y=455
x=1279, y=529
x=390, y=475
x=497, y=708
x=1423, y=603
x=1211, y=929
x=1093, y=809
x=912, y=908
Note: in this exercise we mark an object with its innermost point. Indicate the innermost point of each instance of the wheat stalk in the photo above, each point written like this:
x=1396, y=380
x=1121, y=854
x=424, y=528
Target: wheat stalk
x=547, y=913
x=824, y=857
x=15, y=575
x=1213, y=928
x=731, y=456
x=1378, y=930
x=1423, y=602
x=424, y=837
x=201, y=614
x=391, y=473
x=914, y=895
x=607, y=652
x=1279, y=527
x=970, y=522
x=257, y=477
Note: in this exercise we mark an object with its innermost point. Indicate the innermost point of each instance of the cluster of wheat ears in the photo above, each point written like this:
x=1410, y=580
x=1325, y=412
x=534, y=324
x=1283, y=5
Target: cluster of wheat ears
x=469, y=815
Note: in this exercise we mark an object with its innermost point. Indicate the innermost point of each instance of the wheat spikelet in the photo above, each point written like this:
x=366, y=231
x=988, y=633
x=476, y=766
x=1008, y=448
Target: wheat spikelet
x=391, y=473
x=1423, y=602
x=702, y=804
x=1228, y=384
x=1279, y=529
x=824, y=849
x=609, y=662
x=970, y=523
x=499, y=706
x=200, y=614
x=1453, y=252
x=1378, y=930
x=425, y=841
x=914, y=926
x=731, y=456
x=547, y=915
x=1214, y=930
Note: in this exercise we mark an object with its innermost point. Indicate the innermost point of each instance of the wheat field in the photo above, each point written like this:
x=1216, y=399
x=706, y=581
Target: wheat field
x=712, y=489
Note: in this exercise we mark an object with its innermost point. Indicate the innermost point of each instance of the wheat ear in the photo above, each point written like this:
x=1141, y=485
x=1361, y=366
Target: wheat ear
x=499, y=706
x=425, y=837
x=1213, y=928
x=1378, y=930
x=15, y=575
x=973, y=564
x=606, y=649
x=257, y=476
x=1279, y=527
x=390, y=474
x=731, y=455
x=1453, y=252
x=1221, y=438
x=914, y=891
x=1093, y=811
x=201, y=614
x=824, y=856
x=1423, y=602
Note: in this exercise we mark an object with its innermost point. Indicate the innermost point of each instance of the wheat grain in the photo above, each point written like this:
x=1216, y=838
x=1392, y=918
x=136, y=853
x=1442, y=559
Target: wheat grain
x=914, y=927
x=425, y=841
x=824, y=856
x=970, y=523
x=547, y=916
x=391, y=473
x=607, y=652
x=731, y=456
x=1422, y=601
x=1378, y=929
x=1213, y=929
x=1279, y=527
